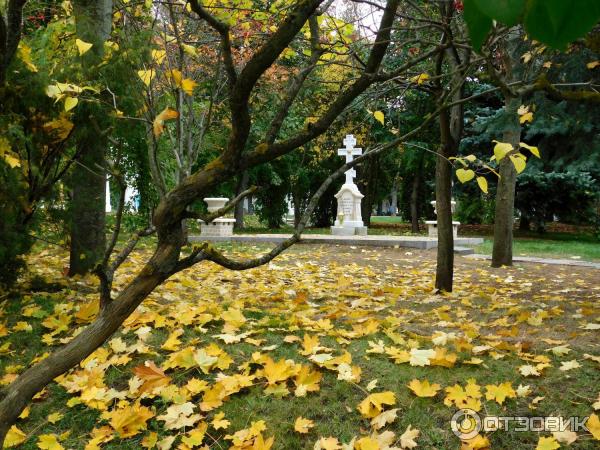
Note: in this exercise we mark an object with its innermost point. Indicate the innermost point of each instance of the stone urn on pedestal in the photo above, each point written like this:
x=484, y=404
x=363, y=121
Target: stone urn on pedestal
x=220, y=227
x=432, y=224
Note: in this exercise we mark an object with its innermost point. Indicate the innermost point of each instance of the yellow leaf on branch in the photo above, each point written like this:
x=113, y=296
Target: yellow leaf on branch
x=379, y=117
x=483, y=184
x=464, y=175
x=534, y=150
x=519, y=161
x=159, y=121
x=146, y=76
x=82, y=46
x=501, y=149
x=420, y=79
x=70, y=103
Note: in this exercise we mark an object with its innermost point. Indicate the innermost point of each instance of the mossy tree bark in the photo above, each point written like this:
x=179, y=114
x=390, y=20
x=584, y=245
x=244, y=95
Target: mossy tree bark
x=505, y=196
x=88, y=181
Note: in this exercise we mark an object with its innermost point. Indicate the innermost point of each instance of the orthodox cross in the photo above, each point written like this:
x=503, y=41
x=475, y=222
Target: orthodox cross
x=349, y=152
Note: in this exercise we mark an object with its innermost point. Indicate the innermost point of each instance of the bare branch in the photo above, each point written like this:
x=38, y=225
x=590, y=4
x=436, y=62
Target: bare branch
x=223, y=31
x=124, y=253
x=296, y=83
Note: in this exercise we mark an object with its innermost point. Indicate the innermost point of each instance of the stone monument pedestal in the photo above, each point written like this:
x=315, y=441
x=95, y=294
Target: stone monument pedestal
x=220, y=227
x=432, y=230
x=349, y=218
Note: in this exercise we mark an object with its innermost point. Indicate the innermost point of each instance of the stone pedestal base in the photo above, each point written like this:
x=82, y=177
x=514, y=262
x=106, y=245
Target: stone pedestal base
x=217, y=228
x=349, y=231
x=432, y=228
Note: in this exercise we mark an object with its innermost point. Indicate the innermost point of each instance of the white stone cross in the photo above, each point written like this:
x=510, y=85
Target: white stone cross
x=349, y=152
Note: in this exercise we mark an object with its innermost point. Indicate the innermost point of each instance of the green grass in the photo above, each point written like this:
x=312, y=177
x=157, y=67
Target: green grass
x=271, y=317
x=552, y=247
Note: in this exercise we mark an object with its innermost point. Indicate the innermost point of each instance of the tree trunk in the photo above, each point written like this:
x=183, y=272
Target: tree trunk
x=93, y=22
x=368, y=187
x=239, y=207
x=524, y=223
x=88, y=239
x=451, y=126
x=414, y=206
x=445, y=247
x=296, y=201
x=505, y=195
x=394, y=198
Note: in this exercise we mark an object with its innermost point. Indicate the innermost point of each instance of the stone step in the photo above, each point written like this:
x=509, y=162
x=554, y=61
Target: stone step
x=464, y=250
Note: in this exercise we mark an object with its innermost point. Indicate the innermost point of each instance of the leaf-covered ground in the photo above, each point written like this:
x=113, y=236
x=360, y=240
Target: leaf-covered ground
x=326, y=348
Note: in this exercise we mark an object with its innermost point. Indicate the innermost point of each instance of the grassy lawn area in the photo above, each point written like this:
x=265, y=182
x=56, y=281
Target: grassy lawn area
x=312, y=335
x=555, y=245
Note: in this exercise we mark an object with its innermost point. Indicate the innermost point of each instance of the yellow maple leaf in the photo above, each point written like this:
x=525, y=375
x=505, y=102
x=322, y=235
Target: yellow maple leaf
x=455, y=395
x=478, y=442
x=307, y=380
x=219, y=421
x=242, y=437
x=443, y=358
x=49, y=442
x=327, y=443
x=373, y=405
x=421, y=357
x=302, y=425
x=500, y=392
x=150, y=440
x=179, y=416
x=172, y=343
x=14, y=437
x=384, y=418
x=152, y=376
x=366, y=443
x=130, y=420
x=276, y=372
x=309, y=344
x=593, y=425
x=54, y=417
x=213, y=397
x=407, y=439
x=569, y=365
x=234, y=319
x=99, y=436
x=423, y=388
x=547, y=443
x=195, y=437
